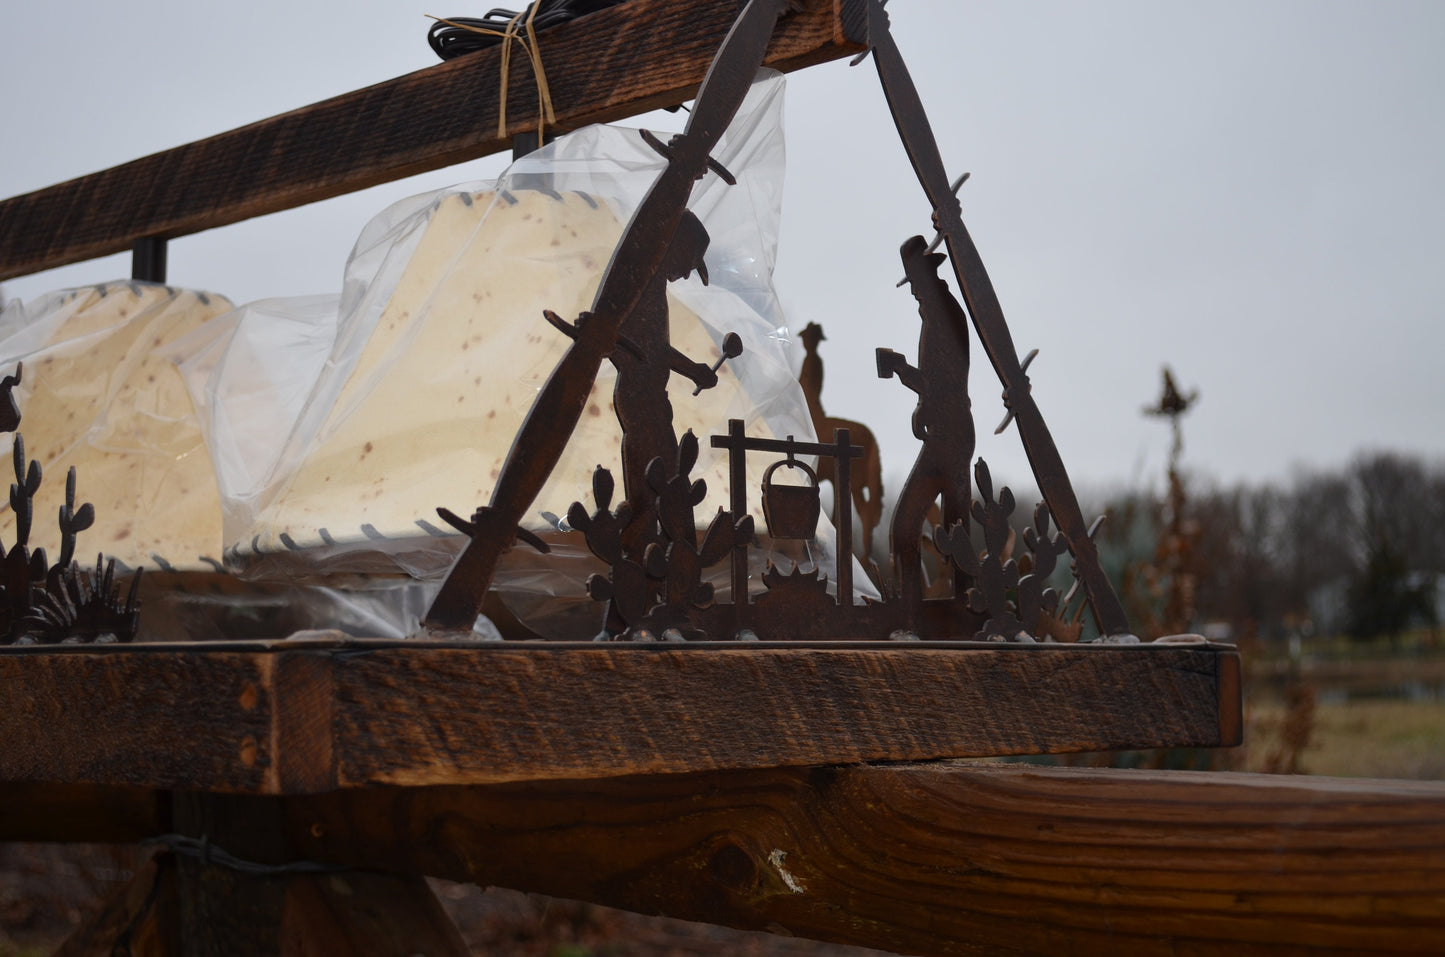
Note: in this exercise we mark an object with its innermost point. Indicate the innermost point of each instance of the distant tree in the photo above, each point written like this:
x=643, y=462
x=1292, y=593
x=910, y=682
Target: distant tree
x=1388, y=597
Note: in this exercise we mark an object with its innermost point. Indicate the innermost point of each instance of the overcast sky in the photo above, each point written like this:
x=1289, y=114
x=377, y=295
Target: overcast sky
x=1250, y=192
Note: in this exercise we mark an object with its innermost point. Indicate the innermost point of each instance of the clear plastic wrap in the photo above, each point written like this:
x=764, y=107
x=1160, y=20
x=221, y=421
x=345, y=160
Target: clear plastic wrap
x=99, y=392
x=334, y=449
x=212, y=606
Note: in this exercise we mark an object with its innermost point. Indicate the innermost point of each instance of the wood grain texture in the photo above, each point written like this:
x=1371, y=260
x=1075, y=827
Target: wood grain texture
x=455, y=716
x=948, y=858
x=945, y=858
x=286, y=718
x=613, y=64
x=152, y=720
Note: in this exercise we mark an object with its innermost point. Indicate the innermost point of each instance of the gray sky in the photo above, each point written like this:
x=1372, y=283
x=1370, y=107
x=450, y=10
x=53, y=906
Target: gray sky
x=1251, y=192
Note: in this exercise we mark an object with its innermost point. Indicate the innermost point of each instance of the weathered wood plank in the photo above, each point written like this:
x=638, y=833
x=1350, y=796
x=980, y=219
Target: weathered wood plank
x=416, y=719
x=950, y=858
x=287, y=718
x=616, y=63
x=151, y=720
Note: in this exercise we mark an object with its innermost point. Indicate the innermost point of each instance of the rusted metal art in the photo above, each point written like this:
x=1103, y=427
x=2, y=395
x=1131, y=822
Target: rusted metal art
x=988, y=320
x=657, y=563
x=1018, y=602
x=942, y=420
x=1174, y=555
x=791, y=511
x=644, y=364
x=50, y=604
x=595, y=335
x=659, y=590
x=866, y=479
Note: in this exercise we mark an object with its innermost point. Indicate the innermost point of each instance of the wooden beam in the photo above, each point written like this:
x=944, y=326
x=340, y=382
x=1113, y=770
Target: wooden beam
x=81, y=813
x=305, y=717
x=950, y=858
x=616, y=63
x=945, y=858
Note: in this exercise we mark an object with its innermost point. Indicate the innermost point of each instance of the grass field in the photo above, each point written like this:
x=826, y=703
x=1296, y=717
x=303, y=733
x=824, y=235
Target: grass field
x=1371, y=738
x=1364, y=712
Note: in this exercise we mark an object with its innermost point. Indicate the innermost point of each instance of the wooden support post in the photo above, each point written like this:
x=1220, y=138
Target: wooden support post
x=223, y=911
x=148, y=259
x=224, y=904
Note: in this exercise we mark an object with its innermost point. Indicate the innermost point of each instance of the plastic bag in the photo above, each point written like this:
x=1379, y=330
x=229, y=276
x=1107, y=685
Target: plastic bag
x=99, y=392
x=201, y=606
x=440, y=347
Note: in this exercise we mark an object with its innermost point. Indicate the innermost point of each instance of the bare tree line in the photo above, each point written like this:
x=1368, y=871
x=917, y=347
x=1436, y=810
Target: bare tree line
x=1352, y=550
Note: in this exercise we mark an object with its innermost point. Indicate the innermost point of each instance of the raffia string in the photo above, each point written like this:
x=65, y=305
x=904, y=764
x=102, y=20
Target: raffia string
x=534, y=54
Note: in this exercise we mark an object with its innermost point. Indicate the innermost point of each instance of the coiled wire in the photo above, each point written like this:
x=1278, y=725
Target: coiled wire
x=450, y=40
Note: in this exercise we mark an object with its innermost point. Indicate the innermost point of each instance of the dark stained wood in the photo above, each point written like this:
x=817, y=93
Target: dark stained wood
x=408, y=718
x=366, y=915
x=228, y=912
x=82, y=813
x=223, y=912
x=314, y=915
x=613, y=64
x=293, y=717
x=948, y=858
x=945, y=858
x=159, y=720
x=1231, y=690
x=302, y=742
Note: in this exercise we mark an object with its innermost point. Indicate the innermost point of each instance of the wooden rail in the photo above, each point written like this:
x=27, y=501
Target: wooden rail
x=293, y=717
x=945, y=858
x=618, y=62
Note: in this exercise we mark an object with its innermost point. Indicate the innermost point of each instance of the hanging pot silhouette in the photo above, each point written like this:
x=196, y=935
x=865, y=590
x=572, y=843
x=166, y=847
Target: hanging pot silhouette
x=791, y=511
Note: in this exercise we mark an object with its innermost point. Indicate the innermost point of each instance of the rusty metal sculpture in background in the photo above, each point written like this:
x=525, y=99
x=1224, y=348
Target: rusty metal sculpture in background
x=1179, y=536
x=52, y=604
x=866, y=481
x=655, y=586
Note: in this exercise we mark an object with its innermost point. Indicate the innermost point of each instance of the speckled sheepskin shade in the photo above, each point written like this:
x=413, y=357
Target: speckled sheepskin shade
x=448, y=374
x=99, y=393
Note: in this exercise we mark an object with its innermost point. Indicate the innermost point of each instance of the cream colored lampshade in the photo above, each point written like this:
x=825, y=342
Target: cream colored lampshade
x=99, y=394
x=447, y=375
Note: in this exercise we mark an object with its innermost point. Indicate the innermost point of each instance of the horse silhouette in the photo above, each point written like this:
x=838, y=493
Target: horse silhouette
x=866, y=475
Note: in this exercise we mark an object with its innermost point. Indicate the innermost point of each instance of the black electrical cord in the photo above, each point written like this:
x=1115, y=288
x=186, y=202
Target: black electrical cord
x=449, y=42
